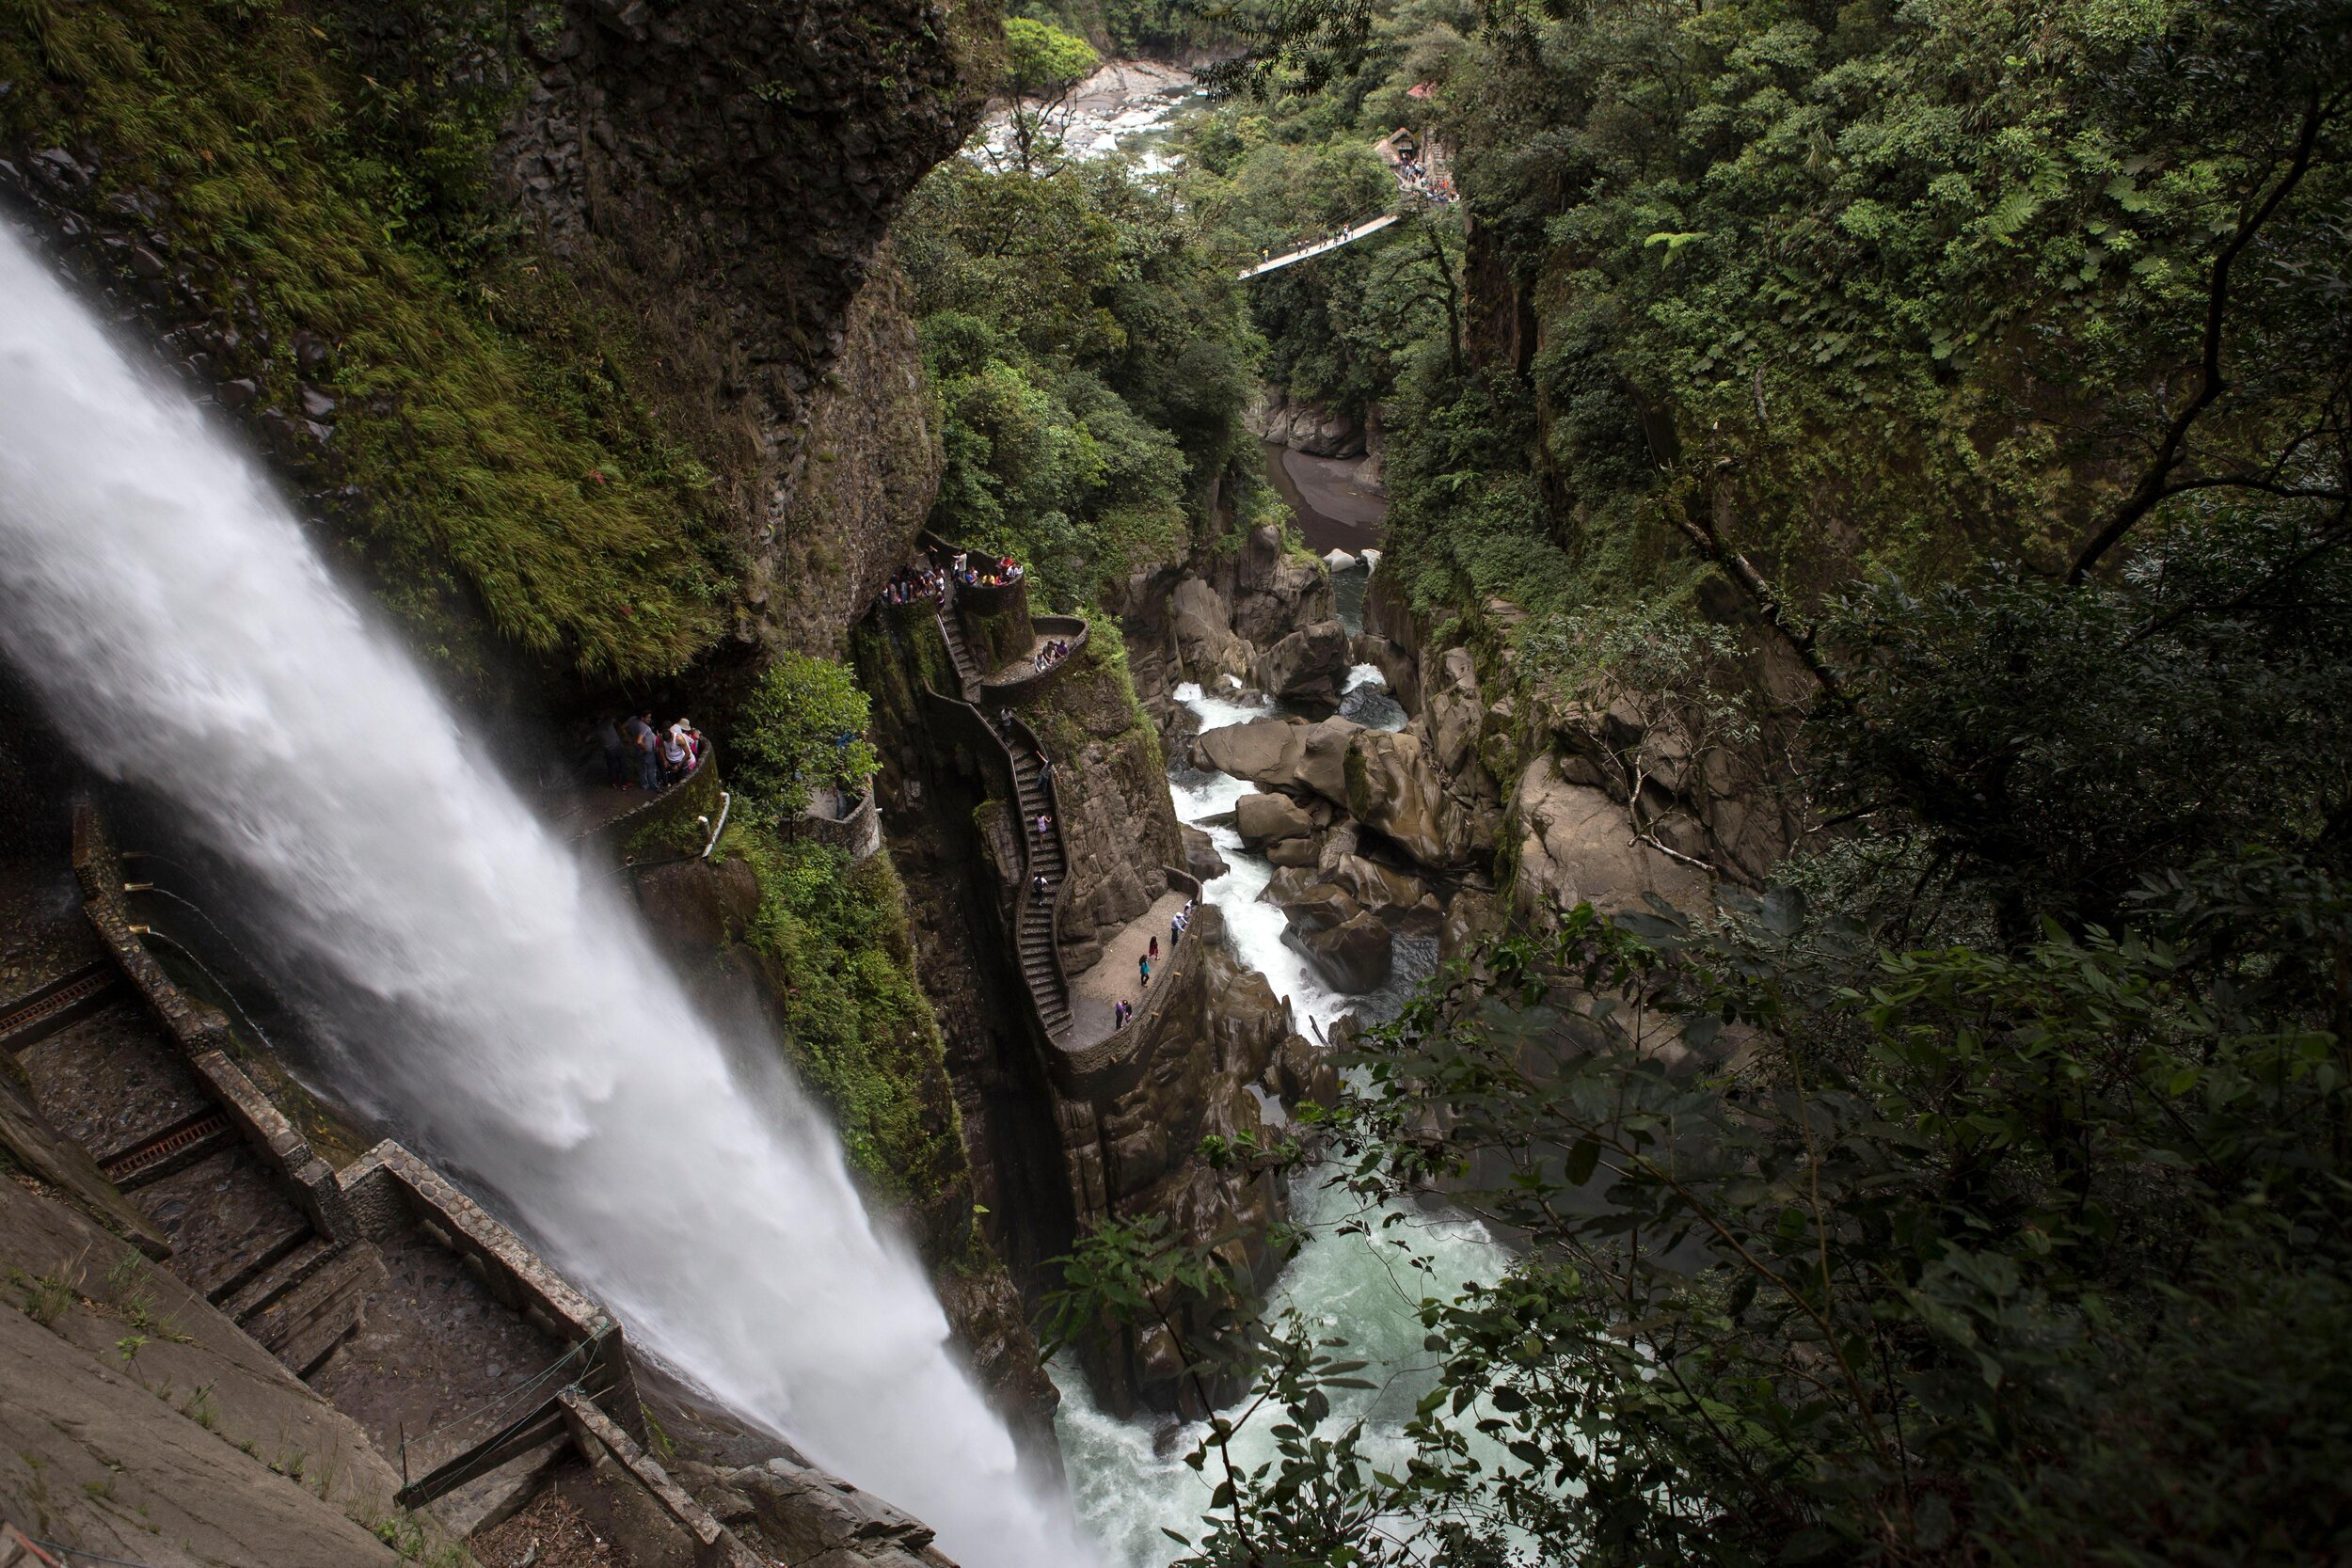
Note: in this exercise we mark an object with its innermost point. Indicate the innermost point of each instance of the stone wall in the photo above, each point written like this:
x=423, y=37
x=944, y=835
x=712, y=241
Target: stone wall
x=1118, y=825
x=1186, y=1070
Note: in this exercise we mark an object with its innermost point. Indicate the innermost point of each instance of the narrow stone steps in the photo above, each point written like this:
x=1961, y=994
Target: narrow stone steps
x=241, y=1252
x=38, y=1014
x=306, y=1323
x=273, y=1282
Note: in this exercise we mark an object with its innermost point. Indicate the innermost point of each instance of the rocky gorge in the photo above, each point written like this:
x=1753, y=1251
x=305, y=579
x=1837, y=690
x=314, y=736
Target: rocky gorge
x=634, y=406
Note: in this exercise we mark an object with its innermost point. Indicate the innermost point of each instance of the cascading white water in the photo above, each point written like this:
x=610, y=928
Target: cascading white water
x=185, y=635
x=1365, y=1284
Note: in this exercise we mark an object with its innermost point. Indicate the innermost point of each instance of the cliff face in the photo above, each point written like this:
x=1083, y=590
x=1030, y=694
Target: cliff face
x=545, y=314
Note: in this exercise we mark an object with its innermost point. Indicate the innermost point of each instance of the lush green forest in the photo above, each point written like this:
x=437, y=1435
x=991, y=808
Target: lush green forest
x=1976, y=1190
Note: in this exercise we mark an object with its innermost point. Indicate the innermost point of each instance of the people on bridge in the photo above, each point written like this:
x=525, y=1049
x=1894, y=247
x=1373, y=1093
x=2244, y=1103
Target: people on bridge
x=1044, y=827
x=1037, y=887
x=1051, y=653
x=1120, y=1013
x=1176, y=923
x=1143, y=969
x=1154, y=950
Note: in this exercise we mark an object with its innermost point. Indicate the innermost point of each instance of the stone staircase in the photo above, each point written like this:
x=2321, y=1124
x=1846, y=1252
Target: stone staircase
x=1049, y=990
x=959, y=651
x=105, y=1073
x=1047, y=987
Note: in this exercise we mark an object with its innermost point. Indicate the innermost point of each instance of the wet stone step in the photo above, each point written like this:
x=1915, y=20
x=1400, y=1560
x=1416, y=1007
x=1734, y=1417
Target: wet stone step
x=265, y=1287
x=303, y=1327
x=227, y=1220
x=111, y=1082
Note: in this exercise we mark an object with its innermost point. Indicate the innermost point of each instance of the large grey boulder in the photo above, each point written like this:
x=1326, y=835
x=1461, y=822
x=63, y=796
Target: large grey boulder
x=1375, y=886
x=1394, y=786
x=1306, y=902
x=1260, y=818
x=1308, y=666
x=1355, y=955
x=1265, y=751
x=1576, y=846
x=1283, y=754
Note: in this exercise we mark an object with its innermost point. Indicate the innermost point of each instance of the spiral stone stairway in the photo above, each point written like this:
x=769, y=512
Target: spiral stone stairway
x=1049, y=989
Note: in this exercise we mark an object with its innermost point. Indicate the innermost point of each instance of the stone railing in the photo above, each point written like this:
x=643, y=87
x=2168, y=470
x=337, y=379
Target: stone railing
x=857, y=829
x=200, y=1034
x=697, y=795
x=1013, y=690
x=390, y=1186
x=595, y=1433
x=1109, y=1067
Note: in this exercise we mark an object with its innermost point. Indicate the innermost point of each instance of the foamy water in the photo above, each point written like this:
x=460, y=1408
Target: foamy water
x=498, y=1001
x=1128, y=1478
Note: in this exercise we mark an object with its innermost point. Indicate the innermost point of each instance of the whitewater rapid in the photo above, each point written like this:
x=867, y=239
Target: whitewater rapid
x=499, y=1004
x=1130, y=1483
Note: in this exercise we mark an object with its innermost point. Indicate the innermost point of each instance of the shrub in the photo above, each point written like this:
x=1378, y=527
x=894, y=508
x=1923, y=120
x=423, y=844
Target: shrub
x=803, y=728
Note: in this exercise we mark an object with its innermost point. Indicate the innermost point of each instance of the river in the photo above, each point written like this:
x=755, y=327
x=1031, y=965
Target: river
x=1128, y=1478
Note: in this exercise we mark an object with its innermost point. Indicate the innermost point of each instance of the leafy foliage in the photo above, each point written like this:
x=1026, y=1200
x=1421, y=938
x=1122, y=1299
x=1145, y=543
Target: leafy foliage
x=491, y=414
x=857, y=1025
x=1042, y=64
x=1972, y=1244
x=1090, y=362
x=802, y=729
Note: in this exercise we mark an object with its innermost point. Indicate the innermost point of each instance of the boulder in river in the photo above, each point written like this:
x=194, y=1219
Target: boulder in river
x=1285, y=755
x=1376, y=887
x=1309, y=666
x=1294, y=851
x=1308, y=902
x=1339, y=561
x=1261, y=818
x=1394, y=786
x=1355, y=955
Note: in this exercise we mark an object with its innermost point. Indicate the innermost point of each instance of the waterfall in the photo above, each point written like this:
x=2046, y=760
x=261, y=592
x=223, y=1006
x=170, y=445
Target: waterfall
x=514, y=1021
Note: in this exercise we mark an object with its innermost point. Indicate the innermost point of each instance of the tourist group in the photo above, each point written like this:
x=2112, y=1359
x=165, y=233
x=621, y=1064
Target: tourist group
x=638, y=756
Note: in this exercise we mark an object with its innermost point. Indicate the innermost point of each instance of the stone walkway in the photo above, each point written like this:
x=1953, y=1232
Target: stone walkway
x=1113, y=980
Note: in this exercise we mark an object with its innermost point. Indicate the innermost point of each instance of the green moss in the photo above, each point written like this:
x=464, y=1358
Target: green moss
x=512, y=474
x=835, y=937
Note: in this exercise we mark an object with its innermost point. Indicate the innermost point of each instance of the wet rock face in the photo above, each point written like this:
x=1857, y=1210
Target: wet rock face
x=1221, y=1035
x=1303, y=427
x=1574, y=846
x=746, y=162
x=1355, y=955
x=1306, y=668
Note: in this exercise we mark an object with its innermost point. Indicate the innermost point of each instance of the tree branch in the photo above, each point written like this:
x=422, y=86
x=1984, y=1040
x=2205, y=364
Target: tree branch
x=2211, y=383
x=1702, y=532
